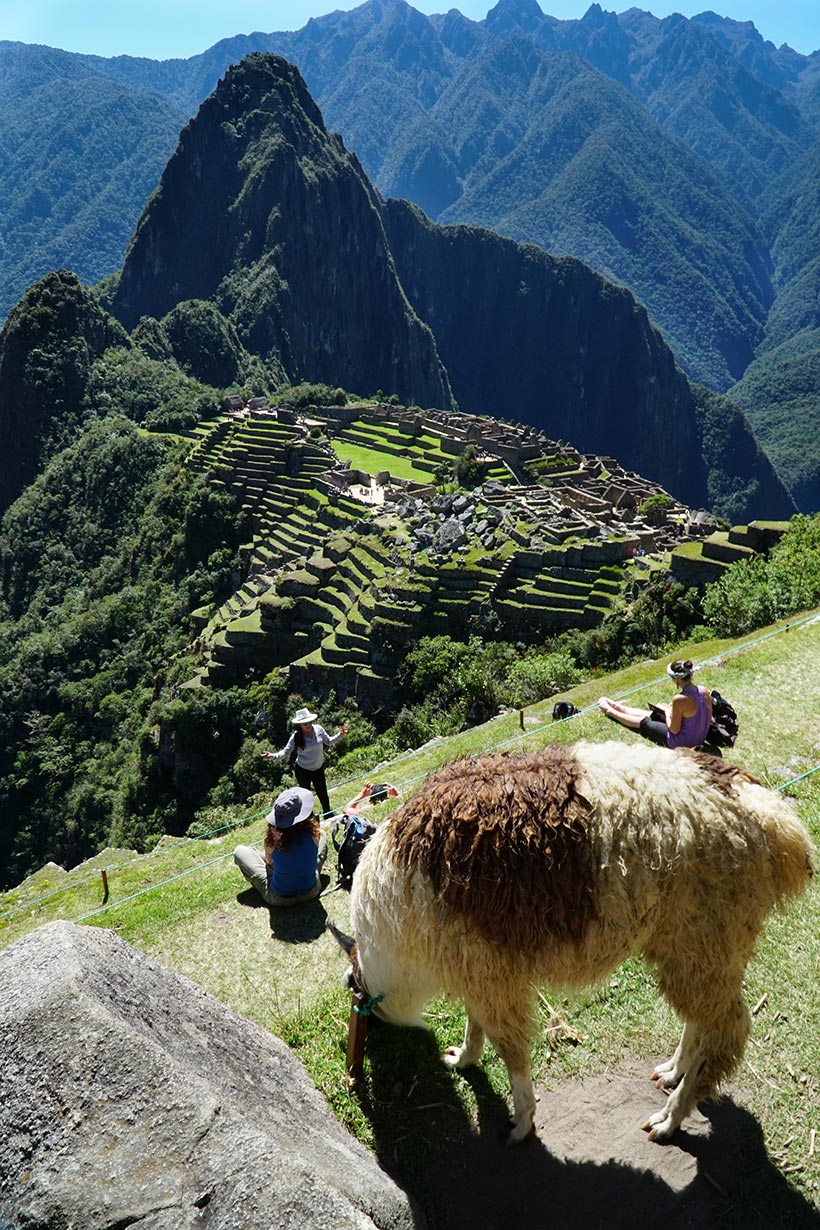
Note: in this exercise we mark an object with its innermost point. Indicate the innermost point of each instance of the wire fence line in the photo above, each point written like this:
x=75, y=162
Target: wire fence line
x=412, y=754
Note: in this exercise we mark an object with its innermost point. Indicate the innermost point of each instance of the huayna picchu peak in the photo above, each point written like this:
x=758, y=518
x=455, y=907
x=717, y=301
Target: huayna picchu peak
x=265, y=212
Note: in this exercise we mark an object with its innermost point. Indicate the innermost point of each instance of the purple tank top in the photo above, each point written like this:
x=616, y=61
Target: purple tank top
x=692, y=729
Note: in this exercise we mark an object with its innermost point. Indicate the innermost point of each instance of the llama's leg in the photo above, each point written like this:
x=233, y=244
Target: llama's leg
x=670, y=1073
x=470, y=1050
x=715, y=1056
x=523, y=1104
x=518, y=1070
x=513, y=1045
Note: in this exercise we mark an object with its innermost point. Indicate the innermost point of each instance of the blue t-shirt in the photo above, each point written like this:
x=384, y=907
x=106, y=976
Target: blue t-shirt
x=294, y=870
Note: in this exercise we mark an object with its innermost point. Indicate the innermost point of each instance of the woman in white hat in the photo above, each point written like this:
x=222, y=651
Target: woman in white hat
x=305, y=749
x=294, y=850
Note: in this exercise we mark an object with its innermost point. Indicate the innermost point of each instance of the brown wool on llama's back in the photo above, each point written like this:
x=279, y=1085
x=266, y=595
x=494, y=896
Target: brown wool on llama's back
x=722, y=774
x=504, y=842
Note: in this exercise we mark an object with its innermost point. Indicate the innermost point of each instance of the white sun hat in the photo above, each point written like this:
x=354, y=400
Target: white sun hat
x=291, y=807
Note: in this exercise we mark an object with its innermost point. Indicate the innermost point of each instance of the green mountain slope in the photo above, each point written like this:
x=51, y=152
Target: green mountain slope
x=780, y=391
x=79, y=154
x=590, y=176
x=712, y=101
x=779, y=395
x=47, y=347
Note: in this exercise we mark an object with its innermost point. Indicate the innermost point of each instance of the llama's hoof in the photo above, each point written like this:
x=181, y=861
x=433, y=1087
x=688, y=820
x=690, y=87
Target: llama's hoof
x=515, y=1135
x=661, y=1126
x=454, y=1057
x=666, y=1075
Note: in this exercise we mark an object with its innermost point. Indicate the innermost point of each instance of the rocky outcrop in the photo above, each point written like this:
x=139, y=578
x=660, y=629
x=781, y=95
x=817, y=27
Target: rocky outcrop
x=128, y=1096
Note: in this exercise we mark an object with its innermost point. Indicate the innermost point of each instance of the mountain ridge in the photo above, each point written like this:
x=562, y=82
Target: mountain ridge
x=450, y=304
x=700, y=264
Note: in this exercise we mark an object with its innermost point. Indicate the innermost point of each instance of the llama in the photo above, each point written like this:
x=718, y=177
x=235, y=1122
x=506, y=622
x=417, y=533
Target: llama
x=504, y=872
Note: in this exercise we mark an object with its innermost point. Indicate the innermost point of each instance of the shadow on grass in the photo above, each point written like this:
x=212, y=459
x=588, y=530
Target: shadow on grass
x=440, y=1136
x=297, y=924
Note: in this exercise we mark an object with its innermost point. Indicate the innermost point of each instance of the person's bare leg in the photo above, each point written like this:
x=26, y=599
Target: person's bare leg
x=631, y=718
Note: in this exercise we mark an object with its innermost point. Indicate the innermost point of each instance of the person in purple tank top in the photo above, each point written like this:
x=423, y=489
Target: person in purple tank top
x=682, y=723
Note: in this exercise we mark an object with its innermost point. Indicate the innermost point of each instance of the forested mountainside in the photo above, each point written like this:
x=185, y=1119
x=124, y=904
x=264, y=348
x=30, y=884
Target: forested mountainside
x=262, y=212
x=643, y=146
x=79, y=156
x=143, y=530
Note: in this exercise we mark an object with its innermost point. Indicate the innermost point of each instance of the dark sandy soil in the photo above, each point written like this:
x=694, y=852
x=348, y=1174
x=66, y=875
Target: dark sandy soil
x=590, y=1166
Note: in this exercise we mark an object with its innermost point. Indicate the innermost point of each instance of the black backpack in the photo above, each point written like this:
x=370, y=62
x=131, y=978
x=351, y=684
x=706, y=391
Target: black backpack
x=563, y=709
x=723, y=727
x=355, y=834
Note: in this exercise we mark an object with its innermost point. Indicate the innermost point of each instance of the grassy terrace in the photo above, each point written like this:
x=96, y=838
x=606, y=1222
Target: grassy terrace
x=186, y=906
x=372, y=461
x=392, y=447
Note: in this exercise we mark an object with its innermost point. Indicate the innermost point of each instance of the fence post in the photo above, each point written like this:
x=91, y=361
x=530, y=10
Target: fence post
x=104, y=875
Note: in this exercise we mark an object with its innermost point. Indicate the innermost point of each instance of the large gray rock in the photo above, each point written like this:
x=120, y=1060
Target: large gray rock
x=129, y=1096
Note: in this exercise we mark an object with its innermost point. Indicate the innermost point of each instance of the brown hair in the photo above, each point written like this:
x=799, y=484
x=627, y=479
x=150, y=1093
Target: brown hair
x=681, y=669
x=280, y=839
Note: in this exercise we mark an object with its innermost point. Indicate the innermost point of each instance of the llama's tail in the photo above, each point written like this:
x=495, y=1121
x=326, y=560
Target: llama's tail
x=791, y=852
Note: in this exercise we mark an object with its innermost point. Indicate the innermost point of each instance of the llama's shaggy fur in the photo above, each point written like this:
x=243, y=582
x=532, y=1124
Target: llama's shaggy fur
x=506, y=871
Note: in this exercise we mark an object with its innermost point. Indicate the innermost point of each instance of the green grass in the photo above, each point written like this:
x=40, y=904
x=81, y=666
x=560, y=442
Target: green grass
x=283, y=971
x=372, y=461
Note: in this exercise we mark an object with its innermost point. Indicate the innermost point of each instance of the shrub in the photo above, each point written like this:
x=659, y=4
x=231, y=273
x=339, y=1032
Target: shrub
x=431, y=665
x=416, y=724
x=741, y=599
x=539, y=676
x=758, y=591
x=654, y=508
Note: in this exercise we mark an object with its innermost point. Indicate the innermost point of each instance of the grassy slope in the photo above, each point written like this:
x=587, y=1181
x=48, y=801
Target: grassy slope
x=285, y=975
x=371, y=461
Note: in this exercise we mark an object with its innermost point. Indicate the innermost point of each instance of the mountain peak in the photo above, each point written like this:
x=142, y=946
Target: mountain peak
x=597, y=18
x=264, y=213
x=510, y=15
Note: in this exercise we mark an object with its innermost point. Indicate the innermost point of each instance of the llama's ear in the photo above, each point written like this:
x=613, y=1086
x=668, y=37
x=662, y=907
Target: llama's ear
x=345, y=942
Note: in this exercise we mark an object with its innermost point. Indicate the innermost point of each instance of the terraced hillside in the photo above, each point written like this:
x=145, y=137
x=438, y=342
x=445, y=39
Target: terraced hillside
x=354, y=552
x=696, y=563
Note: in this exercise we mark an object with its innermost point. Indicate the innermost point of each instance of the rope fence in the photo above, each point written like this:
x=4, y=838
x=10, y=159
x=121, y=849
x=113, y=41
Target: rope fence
x=34, y=903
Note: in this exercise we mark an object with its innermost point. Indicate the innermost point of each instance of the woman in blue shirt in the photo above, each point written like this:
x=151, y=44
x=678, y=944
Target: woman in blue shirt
x=294, y=849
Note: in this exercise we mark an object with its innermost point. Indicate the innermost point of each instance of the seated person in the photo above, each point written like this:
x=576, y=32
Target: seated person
x=368, y=796
x=294, y=850
x=682, y=723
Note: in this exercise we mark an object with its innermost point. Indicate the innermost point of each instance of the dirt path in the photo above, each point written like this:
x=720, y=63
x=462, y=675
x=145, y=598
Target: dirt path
x=590, y=1167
